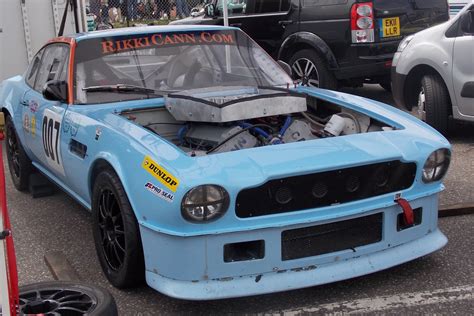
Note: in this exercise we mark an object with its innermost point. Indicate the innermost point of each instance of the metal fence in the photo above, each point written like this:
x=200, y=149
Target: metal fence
x=121, y=13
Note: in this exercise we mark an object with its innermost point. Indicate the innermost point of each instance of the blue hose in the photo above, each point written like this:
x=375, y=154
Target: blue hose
x=256, y=129
x=285, y=126
x=182, y=131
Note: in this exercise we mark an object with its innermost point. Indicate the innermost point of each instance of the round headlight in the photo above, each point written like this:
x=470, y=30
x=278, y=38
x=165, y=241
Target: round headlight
x=205, y=203
x=436, y=165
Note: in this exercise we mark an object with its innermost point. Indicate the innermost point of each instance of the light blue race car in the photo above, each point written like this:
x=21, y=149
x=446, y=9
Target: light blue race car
x=210, y=174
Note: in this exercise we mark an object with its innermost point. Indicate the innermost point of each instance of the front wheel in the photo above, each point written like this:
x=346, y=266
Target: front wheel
x=18, y=162
x=116, y=232
x=433, y=103
x=310, y=69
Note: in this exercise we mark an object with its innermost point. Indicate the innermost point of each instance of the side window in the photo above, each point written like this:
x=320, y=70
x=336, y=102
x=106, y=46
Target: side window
x=234, y=7
x=30, y=75
x=269, y=6
x=53, y=65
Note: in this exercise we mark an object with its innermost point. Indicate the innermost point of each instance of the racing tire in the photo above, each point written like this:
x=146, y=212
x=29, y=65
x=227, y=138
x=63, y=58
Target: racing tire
x=311, y=69
x=436, y=102
x=19, y=164
x=116, y=232
x=65, y=298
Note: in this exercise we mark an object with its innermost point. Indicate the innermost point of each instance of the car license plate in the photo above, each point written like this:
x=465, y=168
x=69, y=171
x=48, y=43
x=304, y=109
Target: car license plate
x=390, y=27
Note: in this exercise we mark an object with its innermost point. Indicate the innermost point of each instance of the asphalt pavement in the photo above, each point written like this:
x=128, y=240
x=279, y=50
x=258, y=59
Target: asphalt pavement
x=441, y=283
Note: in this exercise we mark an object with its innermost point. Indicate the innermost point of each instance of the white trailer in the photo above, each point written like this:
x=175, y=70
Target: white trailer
x=26, y=25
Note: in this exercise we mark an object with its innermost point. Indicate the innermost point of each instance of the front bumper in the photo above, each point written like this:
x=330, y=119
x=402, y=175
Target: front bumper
x=398, y=88
x=194, y=267
x=298, y=278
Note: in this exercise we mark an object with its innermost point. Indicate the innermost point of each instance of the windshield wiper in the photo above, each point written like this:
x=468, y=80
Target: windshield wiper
x=123, y=88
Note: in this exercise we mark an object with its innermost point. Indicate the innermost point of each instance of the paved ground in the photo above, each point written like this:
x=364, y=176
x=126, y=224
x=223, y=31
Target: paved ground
x=441, y=283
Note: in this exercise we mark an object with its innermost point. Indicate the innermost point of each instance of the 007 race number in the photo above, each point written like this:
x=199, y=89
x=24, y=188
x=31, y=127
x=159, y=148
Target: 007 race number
x=51, y=130
x=51, y=136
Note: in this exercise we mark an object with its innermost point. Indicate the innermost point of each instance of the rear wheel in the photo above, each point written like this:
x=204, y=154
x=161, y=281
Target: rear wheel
x=310, y=69
x=433, y=103
x=18, y=162
x=116, y=232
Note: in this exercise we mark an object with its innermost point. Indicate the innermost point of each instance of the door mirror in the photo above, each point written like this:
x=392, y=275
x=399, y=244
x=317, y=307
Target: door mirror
x=55, y=90
x=210, y=10
x=286, y=67
x=467, y=23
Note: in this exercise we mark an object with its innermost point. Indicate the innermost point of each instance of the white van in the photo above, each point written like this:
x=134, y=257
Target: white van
x=433, y=71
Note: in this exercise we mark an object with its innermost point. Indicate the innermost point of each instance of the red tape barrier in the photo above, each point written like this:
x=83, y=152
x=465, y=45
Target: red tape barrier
x=12, y=273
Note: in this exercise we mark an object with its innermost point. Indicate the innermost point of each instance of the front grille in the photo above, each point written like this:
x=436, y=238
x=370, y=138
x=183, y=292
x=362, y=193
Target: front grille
x=325, y=188
x=322, y=239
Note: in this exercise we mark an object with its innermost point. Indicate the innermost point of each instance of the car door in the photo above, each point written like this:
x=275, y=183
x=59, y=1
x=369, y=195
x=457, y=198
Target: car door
x=42, y=118
x=463, y=65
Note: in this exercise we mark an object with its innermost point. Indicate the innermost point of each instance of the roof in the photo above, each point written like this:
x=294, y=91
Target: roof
x=146, y=30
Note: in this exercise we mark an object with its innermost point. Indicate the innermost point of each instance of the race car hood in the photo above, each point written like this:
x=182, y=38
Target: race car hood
x=412, y=140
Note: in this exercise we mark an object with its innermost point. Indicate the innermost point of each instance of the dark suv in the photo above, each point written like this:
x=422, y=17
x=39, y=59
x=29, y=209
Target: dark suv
x=329, y=42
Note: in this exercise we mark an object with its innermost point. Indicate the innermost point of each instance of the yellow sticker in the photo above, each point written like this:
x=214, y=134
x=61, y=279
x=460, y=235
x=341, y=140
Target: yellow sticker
x=160, y=173
x=33, y=126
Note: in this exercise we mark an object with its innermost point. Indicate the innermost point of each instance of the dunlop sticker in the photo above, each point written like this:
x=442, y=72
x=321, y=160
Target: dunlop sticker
x=160, y=173
x=159, y=192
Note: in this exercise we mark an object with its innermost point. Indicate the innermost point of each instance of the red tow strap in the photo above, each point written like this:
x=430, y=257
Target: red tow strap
x=408, y=216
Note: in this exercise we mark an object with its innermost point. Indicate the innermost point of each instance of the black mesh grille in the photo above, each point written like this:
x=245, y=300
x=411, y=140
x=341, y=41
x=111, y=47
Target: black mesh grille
x=325, y=188
x=322, y=239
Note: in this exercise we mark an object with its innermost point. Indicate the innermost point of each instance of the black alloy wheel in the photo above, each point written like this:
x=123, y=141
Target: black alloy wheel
x=65, y=298
x=116, y=232
x=111, y=230
x=18, y=162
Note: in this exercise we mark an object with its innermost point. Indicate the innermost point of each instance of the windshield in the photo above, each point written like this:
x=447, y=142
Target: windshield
x=161, y=63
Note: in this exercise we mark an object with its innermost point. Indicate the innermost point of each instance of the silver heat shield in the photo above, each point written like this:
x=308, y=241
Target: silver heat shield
x=209, y=105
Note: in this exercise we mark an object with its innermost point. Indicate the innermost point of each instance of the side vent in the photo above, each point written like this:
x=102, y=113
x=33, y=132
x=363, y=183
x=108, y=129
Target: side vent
x=77, y=148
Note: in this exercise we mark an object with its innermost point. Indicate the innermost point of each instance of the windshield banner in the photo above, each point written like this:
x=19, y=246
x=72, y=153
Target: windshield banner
x=113, y=45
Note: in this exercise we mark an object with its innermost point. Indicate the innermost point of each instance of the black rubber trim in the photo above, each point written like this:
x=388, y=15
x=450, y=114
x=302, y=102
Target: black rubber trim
x=284, y=93
x=468, y=90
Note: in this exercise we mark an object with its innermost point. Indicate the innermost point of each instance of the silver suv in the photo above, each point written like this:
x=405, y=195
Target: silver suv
x=433, y=71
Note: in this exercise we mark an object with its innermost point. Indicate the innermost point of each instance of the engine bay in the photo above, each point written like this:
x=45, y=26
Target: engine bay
x=209, y=125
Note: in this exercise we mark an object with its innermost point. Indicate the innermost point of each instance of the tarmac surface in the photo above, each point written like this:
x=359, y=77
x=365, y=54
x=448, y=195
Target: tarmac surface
x=441, y=283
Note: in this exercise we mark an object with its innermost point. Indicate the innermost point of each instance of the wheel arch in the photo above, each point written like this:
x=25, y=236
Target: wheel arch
x=413, y=81
x=6, y=112
x=107, y=160
x=306, y=40
x=99, y=164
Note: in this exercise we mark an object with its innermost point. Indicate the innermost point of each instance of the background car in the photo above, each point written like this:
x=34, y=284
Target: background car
x=334, y=42
x=455, y=6
x=433, y=72
x=210, y=174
